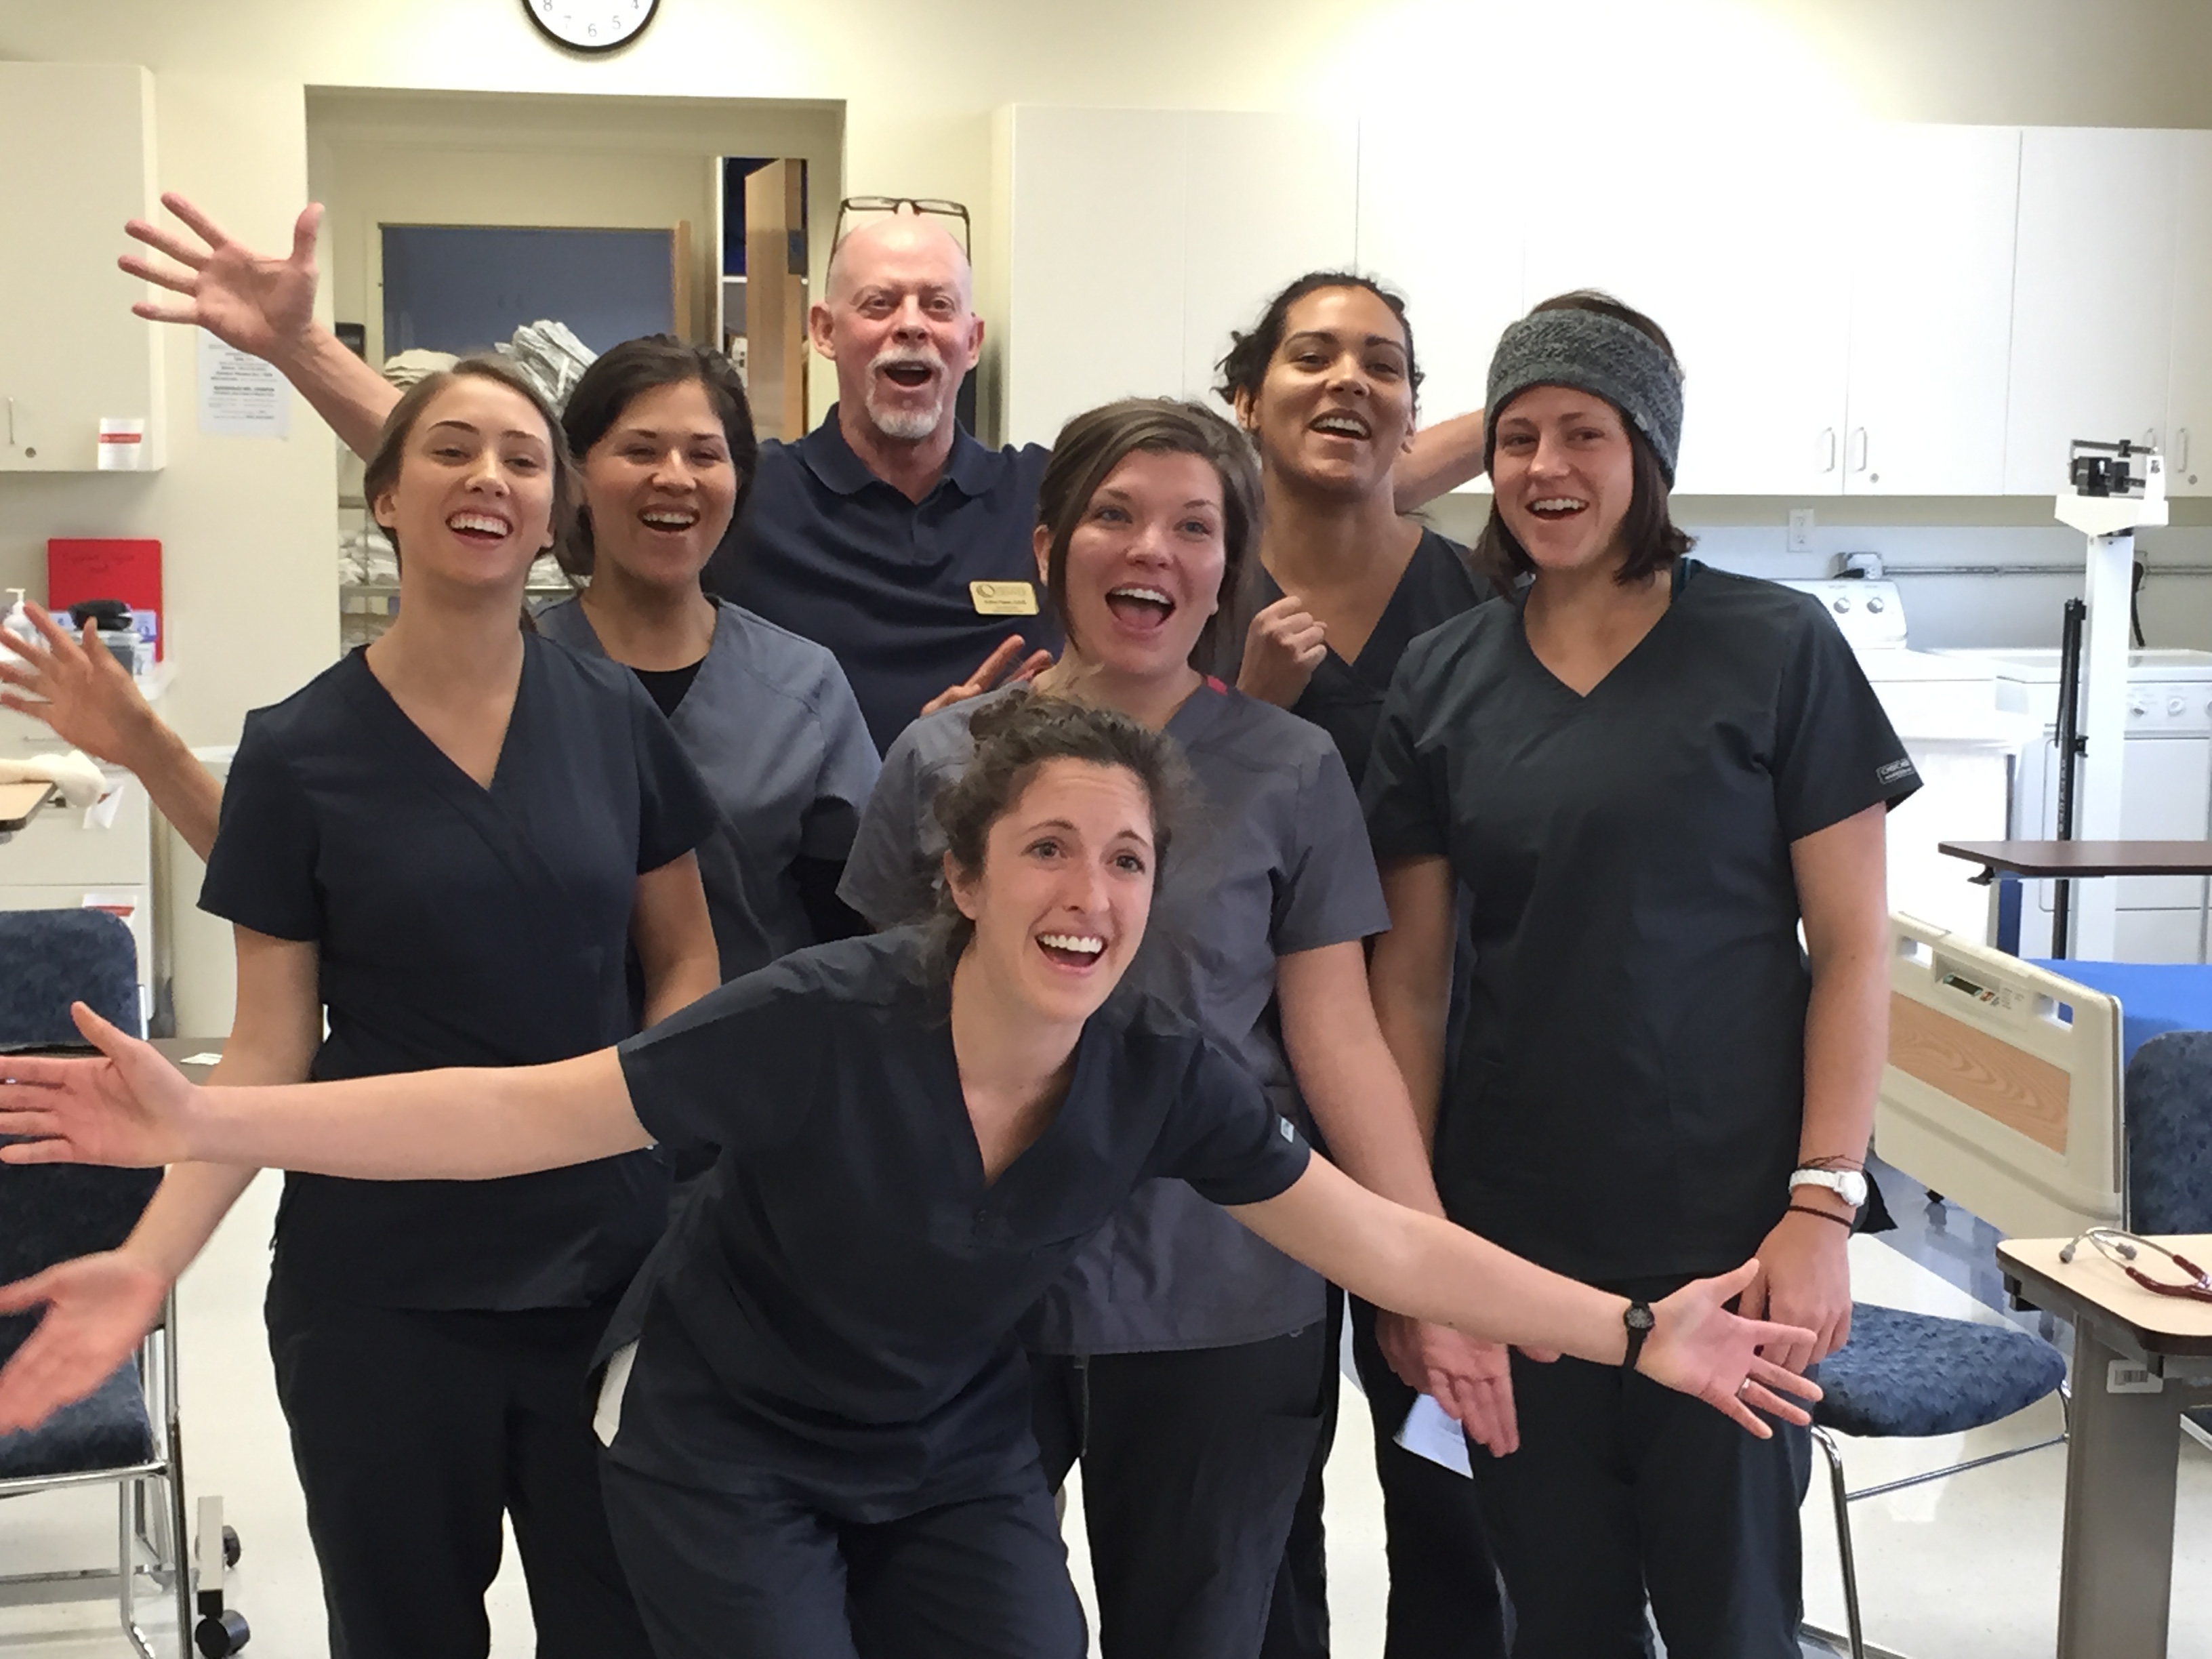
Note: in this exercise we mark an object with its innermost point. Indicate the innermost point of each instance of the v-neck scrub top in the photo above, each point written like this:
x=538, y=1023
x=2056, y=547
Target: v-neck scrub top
x=1273, y=860
x=773, y=727
x=1630, y=1086
x=832, y=552
x=457, y=925
x=1345, y=699
x=833, y=1311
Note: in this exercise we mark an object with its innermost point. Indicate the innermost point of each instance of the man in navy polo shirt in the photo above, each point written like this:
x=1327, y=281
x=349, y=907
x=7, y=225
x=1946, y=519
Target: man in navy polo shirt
x=888, y=533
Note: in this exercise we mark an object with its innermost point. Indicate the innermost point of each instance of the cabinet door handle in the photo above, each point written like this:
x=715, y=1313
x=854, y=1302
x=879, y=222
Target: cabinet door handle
x=1859, y=449
x=1827, y=449
x=11, y=423
x=2181, y=443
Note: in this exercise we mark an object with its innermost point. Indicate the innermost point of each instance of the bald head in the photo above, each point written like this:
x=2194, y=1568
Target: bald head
x=905, y=243
x=897, y=318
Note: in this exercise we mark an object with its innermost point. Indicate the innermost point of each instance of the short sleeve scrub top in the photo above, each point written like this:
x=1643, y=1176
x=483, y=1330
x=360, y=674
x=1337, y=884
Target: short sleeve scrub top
x=1273, y=862
x=1629, y=1088
x=460, y=924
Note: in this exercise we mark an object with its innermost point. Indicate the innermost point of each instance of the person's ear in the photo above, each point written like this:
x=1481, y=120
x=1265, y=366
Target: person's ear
x=384, y=510
x=1040, y=545
x=974, y=342
x=1248, y=409
x=962, y=886
x=820, y=332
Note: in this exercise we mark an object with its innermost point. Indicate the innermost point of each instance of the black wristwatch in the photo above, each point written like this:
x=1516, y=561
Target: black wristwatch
x=1639, y=1321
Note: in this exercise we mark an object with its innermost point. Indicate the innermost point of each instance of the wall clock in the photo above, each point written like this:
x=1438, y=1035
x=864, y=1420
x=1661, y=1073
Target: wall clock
x=592, y=25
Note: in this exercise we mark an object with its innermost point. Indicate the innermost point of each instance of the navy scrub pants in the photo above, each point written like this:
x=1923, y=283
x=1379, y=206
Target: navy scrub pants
x=1445, y=1599
x=1193, y=1461
x=754, y=1576
x=413, y=1433
x=1621, y=1487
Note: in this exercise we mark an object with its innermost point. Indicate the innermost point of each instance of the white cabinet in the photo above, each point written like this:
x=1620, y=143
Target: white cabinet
x=78, y=140
x=1137, y=239
x=2189, y=419
x=1762, y=335
x=2093, y=295
x=1932, y=216
x=1427, y=230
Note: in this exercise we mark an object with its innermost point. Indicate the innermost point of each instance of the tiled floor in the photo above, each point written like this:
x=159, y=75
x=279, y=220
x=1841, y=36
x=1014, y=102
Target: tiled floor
x=1963, y=1569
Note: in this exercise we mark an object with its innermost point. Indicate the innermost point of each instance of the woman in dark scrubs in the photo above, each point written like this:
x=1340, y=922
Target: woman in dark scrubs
x=1649, y=772
x=1325, y=384
x=1183, y=1360
x=446, y=843
x=819, y=1448
x=664, y=454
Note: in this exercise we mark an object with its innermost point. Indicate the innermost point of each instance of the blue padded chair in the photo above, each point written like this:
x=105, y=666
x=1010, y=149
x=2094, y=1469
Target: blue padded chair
x=2169, y=1145
x=1915, y=1374
x=126, y=1431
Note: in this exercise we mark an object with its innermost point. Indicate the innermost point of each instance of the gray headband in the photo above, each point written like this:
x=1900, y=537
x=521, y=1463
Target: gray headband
x=1594, y=353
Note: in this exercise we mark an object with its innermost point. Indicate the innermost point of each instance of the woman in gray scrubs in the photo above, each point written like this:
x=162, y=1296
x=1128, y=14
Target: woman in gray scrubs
x=665, y=446
x=1183, y=1359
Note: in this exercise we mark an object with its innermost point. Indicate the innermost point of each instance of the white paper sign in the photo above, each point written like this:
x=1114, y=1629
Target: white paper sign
x=240, y=395
x=1429, y=1432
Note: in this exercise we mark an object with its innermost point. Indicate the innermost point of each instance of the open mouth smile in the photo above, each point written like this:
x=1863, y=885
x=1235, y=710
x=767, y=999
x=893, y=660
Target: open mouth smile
x=1556, y=507
x=1341, y=423
x=1079, y=952
x=671, y=519
x=1147, y=609
x=481, y=529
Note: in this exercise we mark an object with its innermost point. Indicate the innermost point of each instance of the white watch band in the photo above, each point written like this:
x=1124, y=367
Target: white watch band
x=1850, y=1185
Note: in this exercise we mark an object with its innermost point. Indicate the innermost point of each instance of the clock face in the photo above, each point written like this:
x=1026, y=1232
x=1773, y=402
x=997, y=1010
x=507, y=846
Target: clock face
x=592, y=25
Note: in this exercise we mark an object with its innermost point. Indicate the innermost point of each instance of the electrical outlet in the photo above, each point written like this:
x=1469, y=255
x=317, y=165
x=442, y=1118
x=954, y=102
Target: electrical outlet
x=1800, y=530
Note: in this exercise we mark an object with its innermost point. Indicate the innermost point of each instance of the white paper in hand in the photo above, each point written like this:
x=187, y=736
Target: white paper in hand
x=1429, y=1432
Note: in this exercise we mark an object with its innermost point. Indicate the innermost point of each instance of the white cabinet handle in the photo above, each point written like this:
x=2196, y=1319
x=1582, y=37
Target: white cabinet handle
x=2181, y=444
x=11, y=423
x=1827, y=448
x=1859, y=449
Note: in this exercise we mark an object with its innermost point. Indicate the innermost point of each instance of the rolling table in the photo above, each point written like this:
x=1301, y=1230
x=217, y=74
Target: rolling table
x=2066, y=860
x=20, y=804
x=2140, y=1360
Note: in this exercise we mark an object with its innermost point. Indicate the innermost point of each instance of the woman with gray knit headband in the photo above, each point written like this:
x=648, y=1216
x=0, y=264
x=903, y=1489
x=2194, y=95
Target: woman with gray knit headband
x=1648, y=773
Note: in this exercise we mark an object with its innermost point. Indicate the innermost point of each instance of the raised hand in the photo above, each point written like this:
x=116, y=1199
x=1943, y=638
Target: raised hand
x=1471, y=1379
x=259, y=305
x=1698, y=1347
x=77, y=687
x=98, y=1308
x=994, y=671
x=128, y=1108
x=1282, y=648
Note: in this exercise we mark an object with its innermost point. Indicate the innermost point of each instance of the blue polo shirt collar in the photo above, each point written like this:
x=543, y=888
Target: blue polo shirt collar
x=971, y=468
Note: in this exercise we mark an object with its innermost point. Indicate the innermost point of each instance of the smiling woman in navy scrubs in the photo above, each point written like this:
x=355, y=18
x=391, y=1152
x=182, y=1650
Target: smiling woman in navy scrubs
x=1185, y=1362
x=819, y=1447
x=1325, y=382
x=447, y=841
x=1649, y=772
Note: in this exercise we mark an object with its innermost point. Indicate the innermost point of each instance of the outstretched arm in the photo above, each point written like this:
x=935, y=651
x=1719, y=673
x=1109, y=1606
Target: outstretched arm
x=266, y=307
x=132, y=1108
x=1429, y=1269
x=88, y=698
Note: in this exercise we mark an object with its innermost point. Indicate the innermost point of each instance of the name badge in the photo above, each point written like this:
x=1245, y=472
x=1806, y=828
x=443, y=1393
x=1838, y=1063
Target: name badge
x=1004, y=598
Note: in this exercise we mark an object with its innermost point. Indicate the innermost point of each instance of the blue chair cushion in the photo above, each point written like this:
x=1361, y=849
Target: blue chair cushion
x=2169, y=1122
x=107, y=1430
x=1914, y=1374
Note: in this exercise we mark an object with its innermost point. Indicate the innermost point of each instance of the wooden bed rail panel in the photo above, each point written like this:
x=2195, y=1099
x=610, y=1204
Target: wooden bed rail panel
x=2017, y=1089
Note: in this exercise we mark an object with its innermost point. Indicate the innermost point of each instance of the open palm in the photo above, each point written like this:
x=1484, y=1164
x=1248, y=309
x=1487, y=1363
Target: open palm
x=127, y=1107
x=1699, y=1347
x=98, y=1308
x=245, y=299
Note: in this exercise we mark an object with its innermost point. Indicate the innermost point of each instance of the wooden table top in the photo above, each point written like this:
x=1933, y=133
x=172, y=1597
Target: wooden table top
x=20, y=803
x=2157, y=1324
x=2086, y=858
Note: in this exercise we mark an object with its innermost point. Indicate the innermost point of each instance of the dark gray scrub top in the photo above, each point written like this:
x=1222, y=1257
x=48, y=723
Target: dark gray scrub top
x=773, y=727
x=831, y=551
x=832, y=1314
x=457, y=925
x=1273, y=860
x=1630, y=1085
